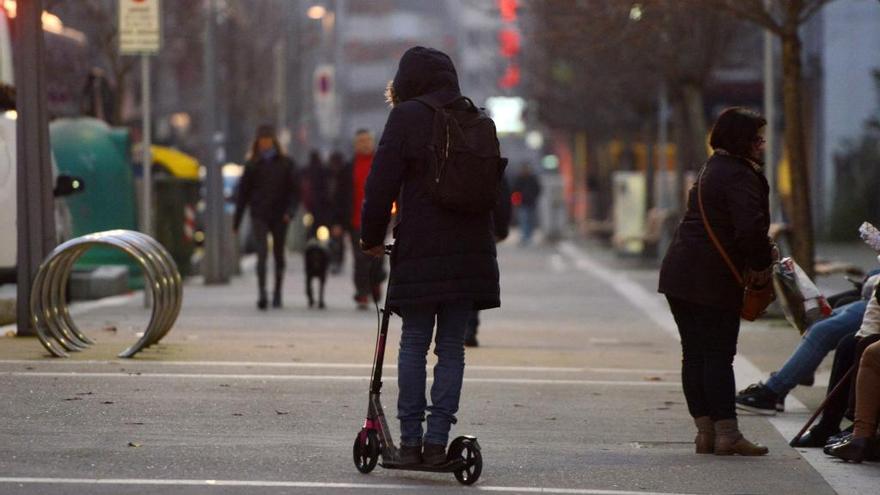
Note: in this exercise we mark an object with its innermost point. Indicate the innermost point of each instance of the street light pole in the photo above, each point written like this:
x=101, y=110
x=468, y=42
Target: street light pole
x=34, y=182
x=214, y=224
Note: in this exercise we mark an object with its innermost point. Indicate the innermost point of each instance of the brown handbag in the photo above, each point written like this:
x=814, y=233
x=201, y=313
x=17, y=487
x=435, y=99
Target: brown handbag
x=755, y=299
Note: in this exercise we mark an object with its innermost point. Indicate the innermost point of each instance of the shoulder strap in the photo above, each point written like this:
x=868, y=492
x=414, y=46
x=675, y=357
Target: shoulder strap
x=711, y=233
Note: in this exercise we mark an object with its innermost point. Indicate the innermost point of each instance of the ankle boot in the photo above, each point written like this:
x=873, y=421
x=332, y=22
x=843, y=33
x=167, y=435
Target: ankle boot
x=729, y=440
x=262, y=300
x=705, y=440
x=276, y=295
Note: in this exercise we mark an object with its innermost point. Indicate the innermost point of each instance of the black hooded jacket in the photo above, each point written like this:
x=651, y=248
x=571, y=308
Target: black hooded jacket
x=735, y=197
x=439, y=255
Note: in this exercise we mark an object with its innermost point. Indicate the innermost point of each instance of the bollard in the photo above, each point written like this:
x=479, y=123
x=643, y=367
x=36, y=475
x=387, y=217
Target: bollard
x=49, y=313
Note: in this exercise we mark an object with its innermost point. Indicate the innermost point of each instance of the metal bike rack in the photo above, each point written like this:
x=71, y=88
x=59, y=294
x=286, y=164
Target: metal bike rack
x=49, y=313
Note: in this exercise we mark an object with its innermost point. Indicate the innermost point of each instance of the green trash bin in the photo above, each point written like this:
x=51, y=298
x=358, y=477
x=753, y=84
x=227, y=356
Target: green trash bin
x=90, y=149
x=175, y=202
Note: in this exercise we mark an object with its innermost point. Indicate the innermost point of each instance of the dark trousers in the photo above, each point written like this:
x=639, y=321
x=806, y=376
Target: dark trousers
x=278, y=230
x=835, y=409
x=708, y=344
x=848, y=354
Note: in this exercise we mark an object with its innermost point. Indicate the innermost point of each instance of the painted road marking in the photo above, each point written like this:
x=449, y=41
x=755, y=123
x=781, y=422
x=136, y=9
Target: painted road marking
x=341, y=378
x=282, y=365
x=320, y=485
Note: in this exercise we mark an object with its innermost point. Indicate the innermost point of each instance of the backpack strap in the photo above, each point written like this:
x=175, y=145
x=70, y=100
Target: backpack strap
x=433, y=105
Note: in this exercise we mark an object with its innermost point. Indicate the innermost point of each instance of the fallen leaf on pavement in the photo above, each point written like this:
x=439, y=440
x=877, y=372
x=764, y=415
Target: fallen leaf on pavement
x=281, y=413
x=653, y=379
x=134, y=444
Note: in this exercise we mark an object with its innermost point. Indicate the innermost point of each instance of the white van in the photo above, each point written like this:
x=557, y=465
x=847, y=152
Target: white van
x=8, y=198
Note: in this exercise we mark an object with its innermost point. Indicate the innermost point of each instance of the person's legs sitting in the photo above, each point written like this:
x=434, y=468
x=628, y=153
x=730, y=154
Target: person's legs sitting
x=832, y=414
x=867, y=408
x=820, y=339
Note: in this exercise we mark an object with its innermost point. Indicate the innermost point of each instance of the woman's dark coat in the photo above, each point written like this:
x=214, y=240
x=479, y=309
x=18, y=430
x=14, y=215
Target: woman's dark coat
x=439, y=255
x=269, y=187
x=735, y=197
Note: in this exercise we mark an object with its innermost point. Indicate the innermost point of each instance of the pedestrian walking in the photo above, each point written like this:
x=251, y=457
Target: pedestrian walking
x=703, y=294
x=315, y=183
x=269, y=189
x=527, y=190
x=444, y=262
x=340, y=205
x=368, y=273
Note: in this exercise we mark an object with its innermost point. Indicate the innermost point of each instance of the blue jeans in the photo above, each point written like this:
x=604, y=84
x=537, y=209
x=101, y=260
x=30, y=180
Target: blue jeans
x=526, y=216
x=820, y=339
x=415, y=339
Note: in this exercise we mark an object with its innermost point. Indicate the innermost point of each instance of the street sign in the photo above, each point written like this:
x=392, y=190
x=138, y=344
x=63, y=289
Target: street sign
x=326, y=108
x=324, y=82
x=139, y=27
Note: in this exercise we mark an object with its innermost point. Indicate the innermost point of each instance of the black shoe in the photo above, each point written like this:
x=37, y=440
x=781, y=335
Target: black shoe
x=830, y=445
x=410, y=455
x=471, y=341
x=816, y=437
x=262, y=302
x=840, y=436
x=276, y=300
x=780, y=400
x=434, y=454
x=853, y=450
x=757, y=398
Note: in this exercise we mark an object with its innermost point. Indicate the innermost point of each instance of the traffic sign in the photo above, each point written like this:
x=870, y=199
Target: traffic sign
x=139, y=26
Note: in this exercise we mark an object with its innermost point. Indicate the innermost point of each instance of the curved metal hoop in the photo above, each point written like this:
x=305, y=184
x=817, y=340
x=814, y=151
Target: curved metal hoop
x=49, y=313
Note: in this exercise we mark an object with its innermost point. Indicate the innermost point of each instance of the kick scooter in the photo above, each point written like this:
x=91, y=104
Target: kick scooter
x=463, y=458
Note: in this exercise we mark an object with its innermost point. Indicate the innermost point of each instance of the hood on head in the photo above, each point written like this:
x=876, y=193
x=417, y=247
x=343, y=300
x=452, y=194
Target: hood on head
x=423, y=71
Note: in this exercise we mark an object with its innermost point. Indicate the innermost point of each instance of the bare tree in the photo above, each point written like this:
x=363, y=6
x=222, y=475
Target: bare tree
x=784, y=19
x=97, y=18
x=597, y=66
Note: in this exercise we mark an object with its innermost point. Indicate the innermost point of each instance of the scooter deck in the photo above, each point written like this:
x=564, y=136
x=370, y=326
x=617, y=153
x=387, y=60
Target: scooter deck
x=447, y=467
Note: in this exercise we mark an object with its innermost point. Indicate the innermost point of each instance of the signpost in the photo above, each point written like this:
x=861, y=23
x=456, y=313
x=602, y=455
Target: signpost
x=140, y=34
x=34, y=203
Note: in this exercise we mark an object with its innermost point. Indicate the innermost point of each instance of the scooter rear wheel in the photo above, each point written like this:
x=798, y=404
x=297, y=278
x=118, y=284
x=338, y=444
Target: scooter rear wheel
x=365, y=451
x=468, y=450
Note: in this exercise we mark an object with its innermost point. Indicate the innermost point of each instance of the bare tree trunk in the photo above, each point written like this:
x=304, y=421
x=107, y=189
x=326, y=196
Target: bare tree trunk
x=795, y=145
x=692, y=95
x=690, y=137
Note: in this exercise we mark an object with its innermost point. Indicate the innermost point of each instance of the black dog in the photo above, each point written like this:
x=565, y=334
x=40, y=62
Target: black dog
x=317, y=261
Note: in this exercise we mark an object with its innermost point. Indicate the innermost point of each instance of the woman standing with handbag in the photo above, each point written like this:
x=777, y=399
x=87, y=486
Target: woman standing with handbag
x=720, y=246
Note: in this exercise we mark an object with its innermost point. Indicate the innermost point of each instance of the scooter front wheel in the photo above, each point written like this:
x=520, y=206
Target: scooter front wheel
x=467, y=450
x=365, y=451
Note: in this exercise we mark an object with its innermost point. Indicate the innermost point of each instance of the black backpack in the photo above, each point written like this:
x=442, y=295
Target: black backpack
x=464, y=164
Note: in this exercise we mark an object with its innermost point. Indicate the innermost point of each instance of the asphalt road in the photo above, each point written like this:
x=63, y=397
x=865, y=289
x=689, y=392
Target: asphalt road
x=574, y=389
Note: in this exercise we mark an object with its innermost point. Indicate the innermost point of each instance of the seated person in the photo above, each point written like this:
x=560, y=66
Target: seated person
x=856, y=448
x=820, y=339
x=848, y=353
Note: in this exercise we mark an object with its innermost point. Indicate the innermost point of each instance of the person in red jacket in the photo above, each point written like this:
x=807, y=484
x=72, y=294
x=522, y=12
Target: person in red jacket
x=348, y=219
